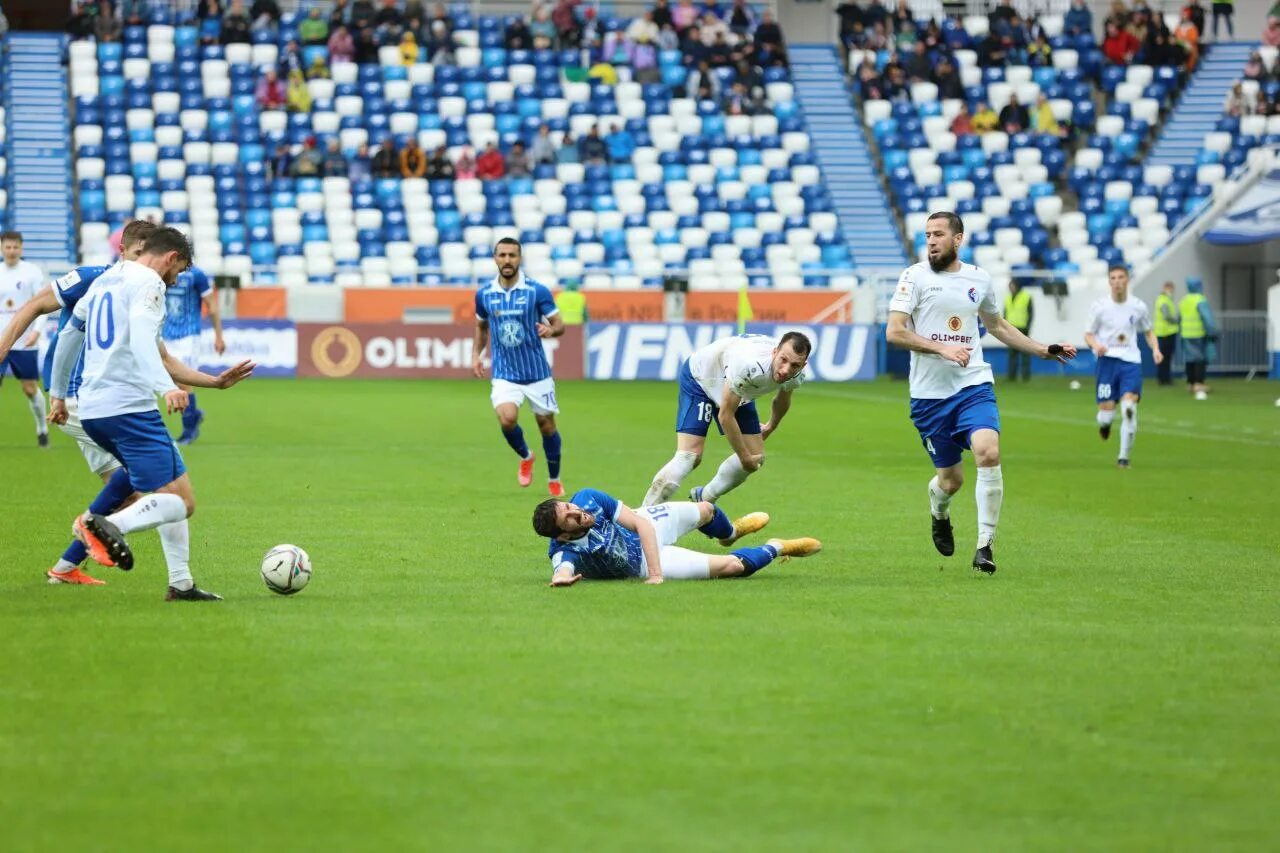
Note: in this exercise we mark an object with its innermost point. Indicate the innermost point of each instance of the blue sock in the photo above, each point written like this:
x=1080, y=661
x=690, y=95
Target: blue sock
x=515, y=438
x=190, y=414
x=719, y=527
x=756, y=558
x=112, y=495
x=551, y=447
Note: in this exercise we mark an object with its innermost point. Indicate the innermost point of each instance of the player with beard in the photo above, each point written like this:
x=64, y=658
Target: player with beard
x=934, y=313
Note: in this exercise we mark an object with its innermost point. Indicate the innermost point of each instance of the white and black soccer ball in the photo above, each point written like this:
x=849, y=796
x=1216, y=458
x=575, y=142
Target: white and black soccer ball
x=286, y=569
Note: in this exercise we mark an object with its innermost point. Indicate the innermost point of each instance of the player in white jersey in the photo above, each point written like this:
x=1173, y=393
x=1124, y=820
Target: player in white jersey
x=118, y=325
x=722, y=381
x=19, y=281
x=1114, y=325
x=934, y=313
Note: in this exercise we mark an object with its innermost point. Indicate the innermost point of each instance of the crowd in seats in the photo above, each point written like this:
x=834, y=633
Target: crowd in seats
x=4, y=200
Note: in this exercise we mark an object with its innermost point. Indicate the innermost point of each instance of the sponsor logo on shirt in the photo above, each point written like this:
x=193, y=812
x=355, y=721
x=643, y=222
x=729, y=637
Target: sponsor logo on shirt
x=951, y=339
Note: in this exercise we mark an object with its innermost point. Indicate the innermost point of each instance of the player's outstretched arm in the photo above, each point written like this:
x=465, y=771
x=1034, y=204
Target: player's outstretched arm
x=898, y=332
x=37, y=306
x=184, y=375
x=1002, y=331
x=478, y=346
x=643, y=528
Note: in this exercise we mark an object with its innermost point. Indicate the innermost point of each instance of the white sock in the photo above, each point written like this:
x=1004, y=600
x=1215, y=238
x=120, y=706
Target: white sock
x=1128, y=427
x=39, y=412
x=730, y=475
x=63, y=567
x=151, y=511
x=990, y=494
x=939, y=500
x=1106, y=416
x=669, y=476
x=175, y=539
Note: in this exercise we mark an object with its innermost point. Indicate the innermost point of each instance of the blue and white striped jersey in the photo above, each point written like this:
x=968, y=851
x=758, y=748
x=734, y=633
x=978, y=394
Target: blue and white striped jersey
x=608, y=551
x=183, y=302
x=68, y=290
x=513, y=315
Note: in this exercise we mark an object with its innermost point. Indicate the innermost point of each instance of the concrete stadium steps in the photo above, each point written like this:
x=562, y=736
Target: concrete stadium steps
x=1200, y=106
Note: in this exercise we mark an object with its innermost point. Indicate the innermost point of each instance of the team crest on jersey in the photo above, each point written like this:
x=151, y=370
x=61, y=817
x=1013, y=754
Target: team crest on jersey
x=1121, y=338
x=510, y=334
x=9, y=304
x=954, y=324
x=973, y=295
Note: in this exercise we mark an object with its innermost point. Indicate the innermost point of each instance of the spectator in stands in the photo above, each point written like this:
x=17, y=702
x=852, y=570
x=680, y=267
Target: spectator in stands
x=361, y=18
x=440, y=45
x=918, y=67
x=714, y=31
x=748, y=75
x=413, y=160
x=591, y=148
x=565, y=18
x=334, y=164
x=1044, y=122
x=289, y=60
x=361, y=166
x=439, y=166
x=310, y=162
x=694, y=51
x=1119, y=15
x=1254, y=69
x=1119, y=46
x=852, y=23
x=1271, y=34
x=107, y=27
x=1188, y=38
x=643, y=27
x=297, y=97
x=517, y=36
x=408, y=49
x=932, y=37
x=366, y=47
x=281, y=163
x=1078, y=20
x=713, y=7
x=895, y=83
x=1039, y=53
x=701, y=84
x=270, y=92
x=543, y=150
x=339, y=15
x=718, y=53
x=769, y=44
x=464, y=168
x=264, y=14
x=318, y=69
x=1238, y=103
x=489, y=165
x=314, y=29
x=1223, y=11
x=1014, y=117
x=684, y=15
x=644, y=63
x=985, y=119
x=621, y=144
x=876, y=38
x=962, y=124
x=948, y=80
x=342, y=47
x=662, y=14
x=742, y=21
x=386, y=161
x=870, y=84
x=568, y=150
x=235, y=24
x=992, y=52
x=1001, y=15
x=388, y=21
x=541, y=31
x=518, y=165
x=1196, y=12
x=1263, y=107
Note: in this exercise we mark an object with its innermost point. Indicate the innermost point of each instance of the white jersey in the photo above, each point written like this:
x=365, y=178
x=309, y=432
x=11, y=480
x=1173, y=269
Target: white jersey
x=744, y=363
x=944, y=307
x=18, y=283
x=122, y=315
x=1117, y=325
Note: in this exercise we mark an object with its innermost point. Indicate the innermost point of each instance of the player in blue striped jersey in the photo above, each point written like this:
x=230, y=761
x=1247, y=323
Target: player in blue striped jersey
x=181, y=334
x=513, y=315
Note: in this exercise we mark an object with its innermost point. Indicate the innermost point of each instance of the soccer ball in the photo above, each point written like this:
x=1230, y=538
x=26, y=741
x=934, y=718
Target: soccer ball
x=1074, y=385
x=286, y=569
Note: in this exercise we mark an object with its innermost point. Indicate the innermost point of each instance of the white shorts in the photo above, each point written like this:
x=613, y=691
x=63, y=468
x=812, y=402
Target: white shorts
x=100, y=461
x=186, y=350
x=541, y=395
x=670, y=522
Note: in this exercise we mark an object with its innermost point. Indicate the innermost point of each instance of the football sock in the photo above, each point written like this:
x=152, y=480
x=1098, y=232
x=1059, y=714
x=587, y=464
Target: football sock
x=939, y=500
x=668, y=478
x=730, y=475
x=1106, y=416
x=551, y=448
x=990, y=494
x=1128, y=427
x=39, y=412
x=515, y=438
x=151, y=511
x=112, y=495
x=756, y=558
x=190, y=414
x=719, y=527
x=175, y=539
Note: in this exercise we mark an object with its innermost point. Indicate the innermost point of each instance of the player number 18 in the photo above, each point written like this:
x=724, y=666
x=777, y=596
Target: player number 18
x=704, y=412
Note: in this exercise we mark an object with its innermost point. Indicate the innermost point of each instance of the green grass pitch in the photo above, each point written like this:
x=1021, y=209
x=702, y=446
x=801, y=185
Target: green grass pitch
x=1116, y=685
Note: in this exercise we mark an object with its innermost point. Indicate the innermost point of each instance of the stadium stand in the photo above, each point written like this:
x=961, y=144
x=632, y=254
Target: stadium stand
x=168, y=125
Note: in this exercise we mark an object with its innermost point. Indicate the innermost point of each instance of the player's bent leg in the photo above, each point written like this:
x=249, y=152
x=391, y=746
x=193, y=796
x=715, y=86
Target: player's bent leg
x=673, y=520
x=687, y=457
x=551, y=448
x=1128, y=427
x=733, y=472
x=941, y=489
x=989, y=492
x=507, y=411
x=681, y=564
x=1106, y=415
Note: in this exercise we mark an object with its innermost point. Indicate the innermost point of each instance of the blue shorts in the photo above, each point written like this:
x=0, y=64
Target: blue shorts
x=1117, y=378
x=945, y=425
x=24, y=364
x=142, y=444
x=696, y=410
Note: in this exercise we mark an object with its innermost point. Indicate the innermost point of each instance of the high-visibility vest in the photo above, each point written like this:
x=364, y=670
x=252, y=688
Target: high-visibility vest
x=1164, y=328
x=1017, y=309
x=573, y=307
x=1192, y=323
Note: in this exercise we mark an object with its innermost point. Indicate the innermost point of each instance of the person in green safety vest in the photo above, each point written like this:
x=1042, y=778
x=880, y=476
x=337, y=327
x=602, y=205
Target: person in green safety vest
x=1197, y=330
x=1019, y=311
x=1166, y=328
x=572, y=303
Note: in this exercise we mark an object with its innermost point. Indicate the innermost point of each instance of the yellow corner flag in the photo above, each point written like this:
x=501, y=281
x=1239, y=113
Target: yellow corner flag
x=744, y=310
